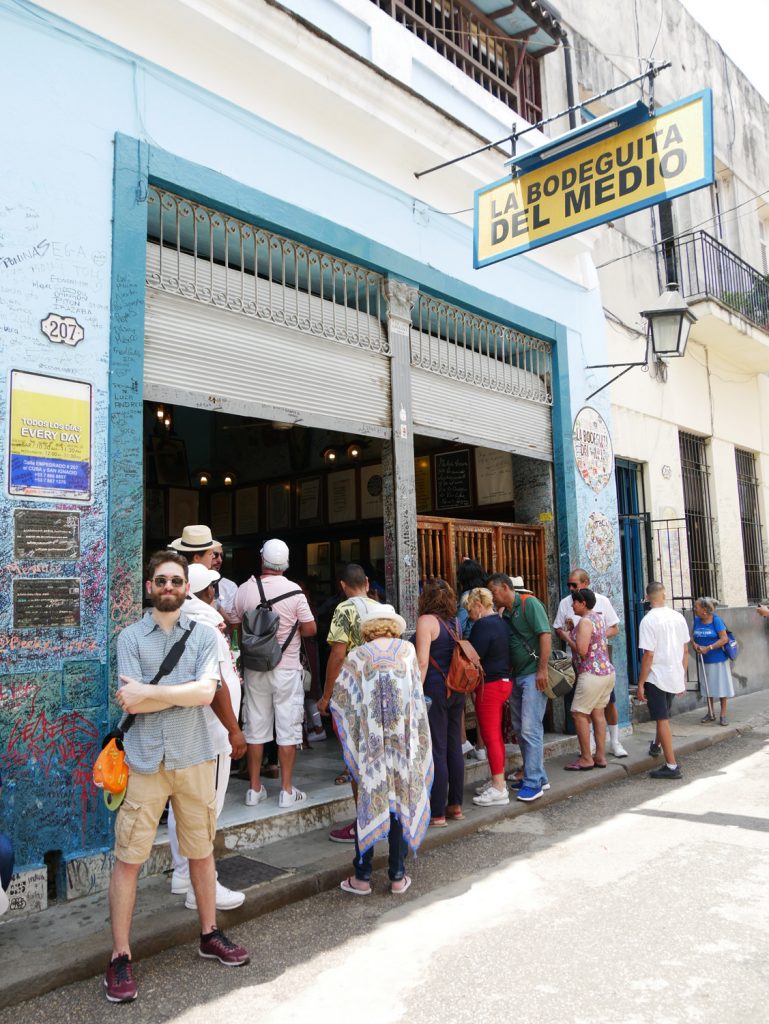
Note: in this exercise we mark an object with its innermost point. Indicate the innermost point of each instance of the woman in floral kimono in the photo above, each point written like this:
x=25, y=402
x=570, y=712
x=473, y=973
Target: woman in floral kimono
x=381, y=719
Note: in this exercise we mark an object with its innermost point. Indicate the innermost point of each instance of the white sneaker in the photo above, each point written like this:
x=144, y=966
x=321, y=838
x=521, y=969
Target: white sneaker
x=255, y=796
x=226, y=899
x=618, y=750
x=467, y=747
x=512, y=777
x=479, y=755
x=296, y=796
x=491, y=796
x=180, y=882
x=483, y=788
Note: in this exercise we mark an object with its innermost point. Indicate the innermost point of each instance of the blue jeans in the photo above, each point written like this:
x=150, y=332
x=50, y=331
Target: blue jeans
x=398, y=850
x=527, y=708
x=6, y=861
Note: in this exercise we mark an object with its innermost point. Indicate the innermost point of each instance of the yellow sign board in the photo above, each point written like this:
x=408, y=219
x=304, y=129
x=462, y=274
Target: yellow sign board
x=661, y=158
x=50, y=438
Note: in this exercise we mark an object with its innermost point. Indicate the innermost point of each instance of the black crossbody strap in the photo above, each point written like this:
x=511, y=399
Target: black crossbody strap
x=268, y=603
x=520, y=635
x=170, y=662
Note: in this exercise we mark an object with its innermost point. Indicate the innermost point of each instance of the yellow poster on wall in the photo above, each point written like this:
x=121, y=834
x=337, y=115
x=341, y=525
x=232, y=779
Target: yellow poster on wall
x=50, y=438
x=627, y=170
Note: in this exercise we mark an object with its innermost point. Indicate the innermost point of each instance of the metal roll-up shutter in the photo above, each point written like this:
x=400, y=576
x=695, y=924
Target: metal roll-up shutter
x=210, y=358
x=453, y=409
x=480, y=382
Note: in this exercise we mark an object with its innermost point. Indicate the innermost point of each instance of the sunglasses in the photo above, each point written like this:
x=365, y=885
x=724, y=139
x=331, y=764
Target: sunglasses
x=573, y=586
x=175, y=581
x=218, y=554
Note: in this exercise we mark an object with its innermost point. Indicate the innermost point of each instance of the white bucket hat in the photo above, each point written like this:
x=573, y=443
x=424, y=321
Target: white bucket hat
x=516, y=583
x=194, y=538
x=200, y=577
x=383, y=611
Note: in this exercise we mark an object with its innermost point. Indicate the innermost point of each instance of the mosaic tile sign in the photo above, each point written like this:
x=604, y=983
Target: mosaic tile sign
x=592, y=448
x=599, y=541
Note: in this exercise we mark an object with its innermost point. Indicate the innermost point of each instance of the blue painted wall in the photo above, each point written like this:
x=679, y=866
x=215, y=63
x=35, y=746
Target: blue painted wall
x=86, y=143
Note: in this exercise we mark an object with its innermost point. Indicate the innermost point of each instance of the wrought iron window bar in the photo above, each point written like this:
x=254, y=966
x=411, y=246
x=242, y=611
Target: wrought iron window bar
x=475, y=44
x=750, y=522
x=698, y=515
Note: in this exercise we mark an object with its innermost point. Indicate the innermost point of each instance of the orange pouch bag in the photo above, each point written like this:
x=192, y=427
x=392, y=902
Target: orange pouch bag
x=111, y=771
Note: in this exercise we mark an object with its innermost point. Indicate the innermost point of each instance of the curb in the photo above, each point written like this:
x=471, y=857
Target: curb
x=154, y=933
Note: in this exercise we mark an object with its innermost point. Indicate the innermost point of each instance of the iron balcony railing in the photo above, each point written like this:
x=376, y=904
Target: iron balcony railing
x=706, y=269
x=474, y=43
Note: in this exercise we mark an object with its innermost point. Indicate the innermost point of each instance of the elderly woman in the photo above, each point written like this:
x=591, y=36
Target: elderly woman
x=709, y=639
x=490, y=636
x=381, y=719
x=595, y=680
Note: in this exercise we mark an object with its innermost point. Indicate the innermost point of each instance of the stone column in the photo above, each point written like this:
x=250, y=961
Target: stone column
x=400, y=510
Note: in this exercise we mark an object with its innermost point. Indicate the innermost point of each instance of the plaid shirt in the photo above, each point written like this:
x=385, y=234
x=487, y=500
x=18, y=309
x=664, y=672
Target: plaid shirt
x=177, y=736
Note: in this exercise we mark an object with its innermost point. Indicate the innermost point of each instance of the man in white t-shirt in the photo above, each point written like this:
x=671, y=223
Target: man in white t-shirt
x=564, y=619
x=275, y=699
x=227, y=738
x=663, y=636
x=226, y=590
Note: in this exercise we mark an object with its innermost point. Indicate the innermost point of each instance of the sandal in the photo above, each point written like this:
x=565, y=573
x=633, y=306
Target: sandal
x=438, y=823
x=342, y=779
x=454, y=815
x=575, y=766
x=708, y=718
x=406, y=883
x=347, y=886
x=723, y=720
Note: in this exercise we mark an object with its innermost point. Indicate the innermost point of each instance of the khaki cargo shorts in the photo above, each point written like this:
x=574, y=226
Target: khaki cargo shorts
x=192, y=792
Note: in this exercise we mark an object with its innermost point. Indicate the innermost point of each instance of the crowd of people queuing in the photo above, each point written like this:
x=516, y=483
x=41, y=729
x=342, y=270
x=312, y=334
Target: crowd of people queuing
x=402, y=729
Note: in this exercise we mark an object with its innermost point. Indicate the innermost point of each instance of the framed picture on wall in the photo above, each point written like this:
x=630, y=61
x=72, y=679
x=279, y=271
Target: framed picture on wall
x=221, y=514
x=494, y=476
x=155, y=511
x=341, y=496
x=170, y=462
x=247, y=510
x=308, y=500
x=371, y=492
x=182, y=510
x=279, y=506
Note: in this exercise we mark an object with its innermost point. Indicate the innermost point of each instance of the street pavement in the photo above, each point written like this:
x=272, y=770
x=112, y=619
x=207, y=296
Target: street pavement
x=634, y=902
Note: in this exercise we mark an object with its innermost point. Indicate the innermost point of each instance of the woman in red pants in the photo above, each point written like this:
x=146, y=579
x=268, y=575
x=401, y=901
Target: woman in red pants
x=490, y=636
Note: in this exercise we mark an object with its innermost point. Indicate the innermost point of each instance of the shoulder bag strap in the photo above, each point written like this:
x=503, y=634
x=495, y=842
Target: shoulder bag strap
x=170, y=662
x=519, y=634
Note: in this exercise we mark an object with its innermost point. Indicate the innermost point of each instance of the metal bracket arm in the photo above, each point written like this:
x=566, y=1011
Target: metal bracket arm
x=612, y=366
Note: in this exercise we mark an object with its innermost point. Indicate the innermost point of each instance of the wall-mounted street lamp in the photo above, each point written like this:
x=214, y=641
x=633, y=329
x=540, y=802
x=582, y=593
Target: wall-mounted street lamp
x=668, y=323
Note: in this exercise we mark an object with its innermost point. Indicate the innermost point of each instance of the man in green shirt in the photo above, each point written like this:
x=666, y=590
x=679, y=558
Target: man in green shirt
x=530, y=645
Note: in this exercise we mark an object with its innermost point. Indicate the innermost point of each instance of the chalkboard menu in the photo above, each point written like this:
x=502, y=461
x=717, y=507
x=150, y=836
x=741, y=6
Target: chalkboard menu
x=452, y=480
x=48, y=603
x=46, y=536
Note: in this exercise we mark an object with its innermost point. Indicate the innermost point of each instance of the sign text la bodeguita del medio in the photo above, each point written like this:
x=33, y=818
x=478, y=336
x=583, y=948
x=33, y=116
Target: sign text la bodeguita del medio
x=662, y=157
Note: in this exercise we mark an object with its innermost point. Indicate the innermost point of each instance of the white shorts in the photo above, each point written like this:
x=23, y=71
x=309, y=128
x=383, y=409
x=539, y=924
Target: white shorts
x=274, y=698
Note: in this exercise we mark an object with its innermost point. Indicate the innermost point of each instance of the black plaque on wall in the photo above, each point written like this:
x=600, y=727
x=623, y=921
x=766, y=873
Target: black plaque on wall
x=46, y=536
x=452, y=480
x=45, y=603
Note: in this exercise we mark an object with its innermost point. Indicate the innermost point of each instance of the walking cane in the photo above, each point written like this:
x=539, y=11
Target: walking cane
x=704, y=678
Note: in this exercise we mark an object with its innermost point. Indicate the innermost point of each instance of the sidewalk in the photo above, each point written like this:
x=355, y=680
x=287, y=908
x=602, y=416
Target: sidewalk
x=71, y=941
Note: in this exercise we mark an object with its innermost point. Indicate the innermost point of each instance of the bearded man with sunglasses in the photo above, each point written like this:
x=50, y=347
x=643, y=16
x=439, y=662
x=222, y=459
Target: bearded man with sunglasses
x=170, y=756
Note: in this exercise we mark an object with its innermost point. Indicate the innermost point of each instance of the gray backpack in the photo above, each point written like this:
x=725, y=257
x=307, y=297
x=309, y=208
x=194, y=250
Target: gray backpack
x=259, y=647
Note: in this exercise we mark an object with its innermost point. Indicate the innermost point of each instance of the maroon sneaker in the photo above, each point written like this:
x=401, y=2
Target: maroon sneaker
x=346, y=834
x=216, y=946
x=119, y=980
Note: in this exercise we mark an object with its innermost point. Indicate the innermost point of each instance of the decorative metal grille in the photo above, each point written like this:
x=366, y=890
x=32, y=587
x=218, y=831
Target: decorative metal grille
x=479, y=47
x=706, y=269
x=203, y=254
x=699, y=520
x=670, y=564
x=750, y=520
x=455, y=343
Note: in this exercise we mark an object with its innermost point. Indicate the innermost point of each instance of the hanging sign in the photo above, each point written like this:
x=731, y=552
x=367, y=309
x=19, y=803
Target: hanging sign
x=50, y=438
x=626, y=170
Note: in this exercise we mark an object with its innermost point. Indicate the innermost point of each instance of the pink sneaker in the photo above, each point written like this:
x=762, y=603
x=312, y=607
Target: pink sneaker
x=346, y=834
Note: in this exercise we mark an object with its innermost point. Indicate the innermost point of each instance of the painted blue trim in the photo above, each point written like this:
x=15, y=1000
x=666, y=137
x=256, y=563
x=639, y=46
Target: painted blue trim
x=565, y=476
x=212, y=188
x=706, y=96
x=627, y=117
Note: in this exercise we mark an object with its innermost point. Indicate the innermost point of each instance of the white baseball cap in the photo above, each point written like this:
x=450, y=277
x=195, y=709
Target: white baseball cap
x=275, y=555
x=200, y=577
